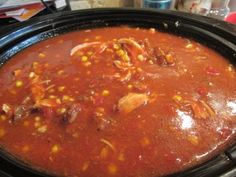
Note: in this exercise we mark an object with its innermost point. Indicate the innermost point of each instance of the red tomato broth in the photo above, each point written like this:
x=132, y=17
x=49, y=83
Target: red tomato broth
x=163, y=112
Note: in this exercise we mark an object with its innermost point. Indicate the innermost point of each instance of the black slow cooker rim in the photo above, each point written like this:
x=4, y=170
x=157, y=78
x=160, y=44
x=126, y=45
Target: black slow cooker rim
x=14, y=34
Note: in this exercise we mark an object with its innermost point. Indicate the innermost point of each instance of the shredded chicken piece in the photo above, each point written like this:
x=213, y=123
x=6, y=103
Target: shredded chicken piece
x=82, y=46
x=126, y=77
x=106, y=142
x=132, y=101
x=46, y=103
x=38, y=92
x=210, y=111
x=164, y=58
x=6, y=108
x=50, y=87
x=121, y=65
x=139, y=86
x=101, y=49
x=202, y=110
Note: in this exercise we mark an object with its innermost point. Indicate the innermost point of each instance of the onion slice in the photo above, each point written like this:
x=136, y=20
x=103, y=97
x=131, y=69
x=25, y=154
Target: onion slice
x=82, y=46
x=131, y=42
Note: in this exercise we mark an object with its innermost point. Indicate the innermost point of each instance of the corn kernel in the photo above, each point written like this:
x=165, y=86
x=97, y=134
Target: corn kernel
x=35, y=65
x=26, y=123
x=126, y=58
x=52, y=90
x=98, y=37
x=65, y=98
x=37, y=124
x=2, y=132
x=42, y=129
x=116, y=46
x=139, y=70
x=3, y=117
x=6, y=108
x=25, y=149
x=42, y=55
x=79, y=53
x=88, y=63
x=75, y=135
x=19, y=84
x=141, y=58
x=112, y=169
x=55, y=148
x=107, y=50
x=58, y=101
x=152, y=30
x=77, y=79
x=120, y=52
x=86, y=40
x=170, y=59
x=145, y=141
x=150, y=62
x=37, y=118
x=130, y=86
x=104, y=152
x=31, y=74
x=85, y=166
x=60, y=41
x=177, y=98
x=50, y=158
x=12, y=91
x=17, y=72
x=193, y=139
x=89, y=53
x=62, y=110
x=230, y=68
x=46, y=65
x=72, y=99
x=121, y=157
x=84, y=58
x=189, y=46
x=61, y=88
x=105, y=92
x=60, y=72
x=52, y=96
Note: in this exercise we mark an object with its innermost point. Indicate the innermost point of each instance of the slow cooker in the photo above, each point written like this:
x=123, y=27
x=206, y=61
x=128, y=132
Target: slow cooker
x=218, y=35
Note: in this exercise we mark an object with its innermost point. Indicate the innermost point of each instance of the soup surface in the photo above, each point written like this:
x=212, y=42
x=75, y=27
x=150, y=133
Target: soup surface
x=117, y=102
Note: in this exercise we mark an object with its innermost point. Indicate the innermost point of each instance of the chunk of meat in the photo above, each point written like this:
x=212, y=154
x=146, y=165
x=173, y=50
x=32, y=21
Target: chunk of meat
x=164, y=58
x=21, y=112
x=103, y=122
x=101, y=119
x=48, y=113
x=73, y=111
x=131, y=102
x=139, y=86
x=100, y=50
x=202, y=110
x=131, y=42
x=8, y=110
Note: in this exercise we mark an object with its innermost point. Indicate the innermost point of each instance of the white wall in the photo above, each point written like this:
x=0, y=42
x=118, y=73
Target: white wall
x=232, y=5
x=83, y=4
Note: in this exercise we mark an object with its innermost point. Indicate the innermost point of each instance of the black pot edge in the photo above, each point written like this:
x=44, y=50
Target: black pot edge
x=48, y=20
x=223, y=25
